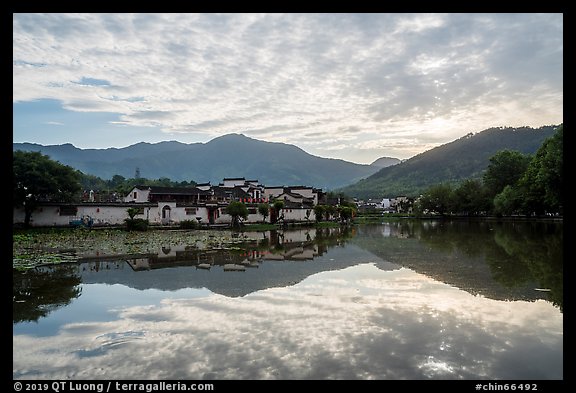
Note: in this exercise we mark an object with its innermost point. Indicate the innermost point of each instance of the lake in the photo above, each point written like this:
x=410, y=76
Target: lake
x=410, y=299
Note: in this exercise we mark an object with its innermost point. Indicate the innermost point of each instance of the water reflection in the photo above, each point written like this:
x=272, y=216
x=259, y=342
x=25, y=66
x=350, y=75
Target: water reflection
x=356, y=323
x=500, y=260
x=275, y=259
x=37, y=292
x=403, y=300
x=506, y=261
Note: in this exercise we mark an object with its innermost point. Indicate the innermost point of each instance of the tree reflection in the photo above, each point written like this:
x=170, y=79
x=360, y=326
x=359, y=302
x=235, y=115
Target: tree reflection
x=500, y=260
x=517, y=253
x=37, y=292
x=537, y=250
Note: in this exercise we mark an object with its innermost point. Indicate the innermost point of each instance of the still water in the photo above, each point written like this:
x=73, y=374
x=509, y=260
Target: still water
x=400, y=300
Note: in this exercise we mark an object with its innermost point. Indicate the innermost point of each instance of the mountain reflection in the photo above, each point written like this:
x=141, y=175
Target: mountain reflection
x=504, y=261
x=401, y=300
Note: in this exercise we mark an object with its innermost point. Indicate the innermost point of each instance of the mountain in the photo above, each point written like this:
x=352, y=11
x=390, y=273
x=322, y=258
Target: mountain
x=461, y=159
x=232, y=155
x=384, y=162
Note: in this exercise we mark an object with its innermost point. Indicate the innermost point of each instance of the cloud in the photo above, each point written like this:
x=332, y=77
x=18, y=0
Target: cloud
x=356, y=323
x=282, y=76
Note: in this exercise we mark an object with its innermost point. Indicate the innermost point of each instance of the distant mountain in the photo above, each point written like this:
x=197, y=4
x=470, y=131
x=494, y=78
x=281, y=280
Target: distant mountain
x=384, y=162
x=461, y=159
x=232, y=155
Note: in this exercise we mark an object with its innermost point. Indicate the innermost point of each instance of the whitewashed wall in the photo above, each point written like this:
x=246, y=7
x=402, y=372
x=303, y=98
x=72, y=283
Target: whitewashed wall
x=141, y=196
x=116, y=214
x=298, y=215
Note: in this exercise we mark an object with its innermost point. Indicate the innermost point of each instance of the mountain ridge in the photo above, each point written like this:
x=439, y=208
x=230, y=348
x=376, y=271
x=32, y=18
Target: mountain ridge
x=464, y=158
x=384, y=162
x=231, y=155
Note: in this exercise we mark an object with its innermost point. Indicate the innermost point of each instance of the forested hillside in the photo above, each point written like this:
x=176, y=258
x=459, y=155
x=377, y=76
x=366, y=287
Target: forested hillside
x=464, y=158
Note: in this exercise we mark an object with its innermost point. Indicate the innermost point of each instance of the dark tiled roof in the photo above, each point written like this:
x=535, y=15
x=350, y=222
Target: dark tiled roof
x=175, y=190
x=293, y=195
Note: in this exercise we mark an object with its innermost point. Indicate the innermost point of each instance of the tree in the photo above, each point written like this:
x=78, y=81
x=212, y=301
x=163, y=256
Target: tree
x=506, y=168
x=437, y=199
x=278, y=205
x=37, y=178
x=346, y=213
x=542, y=182
x=319, y=211
x=470, y=198
x=135, y=224
x=116, y=181
x=132, y=212
x=237, y=210
x=508, y=201
x=263, y=210
x=330, y=211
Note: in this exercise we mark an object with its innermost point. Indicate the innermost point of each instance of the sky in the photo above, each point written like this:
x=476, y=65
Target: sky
x=350, y=86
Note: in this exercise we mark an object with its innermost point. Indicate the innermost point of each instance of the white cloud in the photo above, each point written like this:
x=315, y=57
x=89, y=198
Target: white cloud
x=356, y=323
x=281, y=76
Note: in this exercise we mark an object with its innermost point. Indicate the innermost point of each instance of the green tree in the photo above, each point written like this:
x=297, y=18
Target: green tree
x=163, y=182
x=438, y=199
x=264, y=211
x=542, y=182
x=135, y=224
x=116, y=182
x=330, y=211
x=508, y=202
x=238, y=211
x=278, y=205
x=37, y=178
x=346, y=213
x=319, y=211
x=506, y=168
x=132, y=212
x=91, y=182
x=470, y=198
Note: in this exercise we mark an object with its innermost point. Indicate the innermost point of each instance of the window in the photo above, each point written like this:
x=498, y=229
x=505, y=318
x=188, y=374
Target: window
x=68, y=210
x=252, y=210
x=190, y=211
x=135, y=195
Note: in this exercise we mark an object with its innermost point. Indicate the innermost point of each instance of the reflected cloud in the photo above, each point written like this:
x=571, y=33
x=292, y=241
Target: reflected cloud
x=357, y=323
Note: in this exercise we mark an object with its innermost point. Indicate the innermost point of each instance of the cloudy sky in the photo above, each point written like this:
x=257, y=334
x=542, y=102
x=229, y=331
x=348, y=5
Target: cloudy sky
x=350, y=86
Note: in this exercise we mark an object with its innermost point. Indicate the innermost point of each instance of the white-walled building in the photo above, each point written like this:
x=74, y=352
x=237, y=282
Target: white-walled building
x=204, y=203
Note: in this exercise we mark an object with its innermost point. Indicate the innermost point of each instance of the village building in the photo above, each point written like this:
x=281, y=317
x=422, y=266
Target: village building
x=204, y=203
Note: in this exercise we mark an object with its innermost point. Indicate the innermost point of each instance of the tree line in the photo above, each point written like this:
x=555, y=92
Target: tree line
x=121, y=185
x=513, y=184
x=37, y=178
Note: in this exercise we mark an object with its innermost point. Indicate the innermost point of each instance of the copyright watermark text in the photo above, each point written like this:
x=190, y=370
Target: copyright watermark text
x=110, y=386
